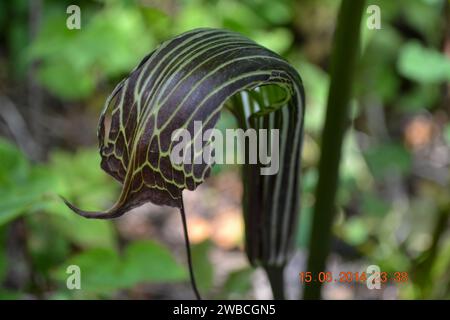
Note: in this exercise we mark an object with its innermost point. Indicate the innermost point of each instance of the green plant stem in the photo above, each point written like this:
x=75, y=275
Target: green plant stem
x=343, y=62
x=276, y=279
x=188, y=251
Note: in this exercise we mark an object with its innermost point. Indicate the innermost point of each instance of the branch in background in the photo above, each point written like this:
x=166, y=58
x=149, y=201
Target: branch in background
x=35, y=96
x=18, y=128
x=343, y=62
x=425, y=262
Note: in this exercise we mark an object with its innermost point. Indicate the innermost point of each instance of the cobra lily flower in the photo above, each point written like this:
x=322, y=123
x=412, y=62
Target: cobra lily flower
x=189, y=78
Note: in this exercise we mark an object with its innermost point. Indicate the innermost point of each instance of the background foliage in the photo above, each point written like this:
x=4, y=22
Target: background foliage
x=394, y=201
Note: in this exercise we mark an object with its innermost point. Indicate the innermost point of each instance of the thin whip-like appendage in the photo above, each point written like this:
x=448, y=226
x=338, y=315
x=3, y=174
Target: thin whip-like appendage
x=188, y=251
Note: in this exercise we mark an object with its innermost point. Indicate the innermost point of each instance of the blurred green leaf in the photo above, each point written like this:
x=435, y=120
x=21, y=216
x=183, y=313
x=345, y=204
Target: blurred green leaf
x=388, y=158
x=80, y=177
x=9, y=295
x=239, y=16
x=275, y=12
x=422, y=97
x=104, y=271
x=422, y=64
x=355, y=231
x=110, y=43
x=14, y=167
x=46, y=245
x=147, y=261
x=23, y=188
x=85, y=233
x=278, y=40
x=100, y=270
x=422, y=16
x=195, y=13
x=203, y=268
x=373, y=205
x=238, y=284
x=63, y=79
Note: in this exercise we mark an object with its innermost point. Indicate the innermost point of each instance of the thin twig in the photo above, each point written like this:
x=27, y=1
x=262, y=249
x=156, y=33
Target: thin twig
x=188, y=251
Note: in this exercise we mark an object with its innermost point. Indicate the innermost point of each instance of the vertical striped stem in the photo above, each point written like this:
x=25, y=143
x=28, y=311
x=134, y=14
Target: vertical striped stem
x=276, y=279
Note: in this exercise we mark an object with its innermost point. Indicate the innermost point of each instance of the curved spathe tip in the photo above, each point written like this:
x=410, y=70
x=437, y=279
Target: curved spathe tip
x=110, y=214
